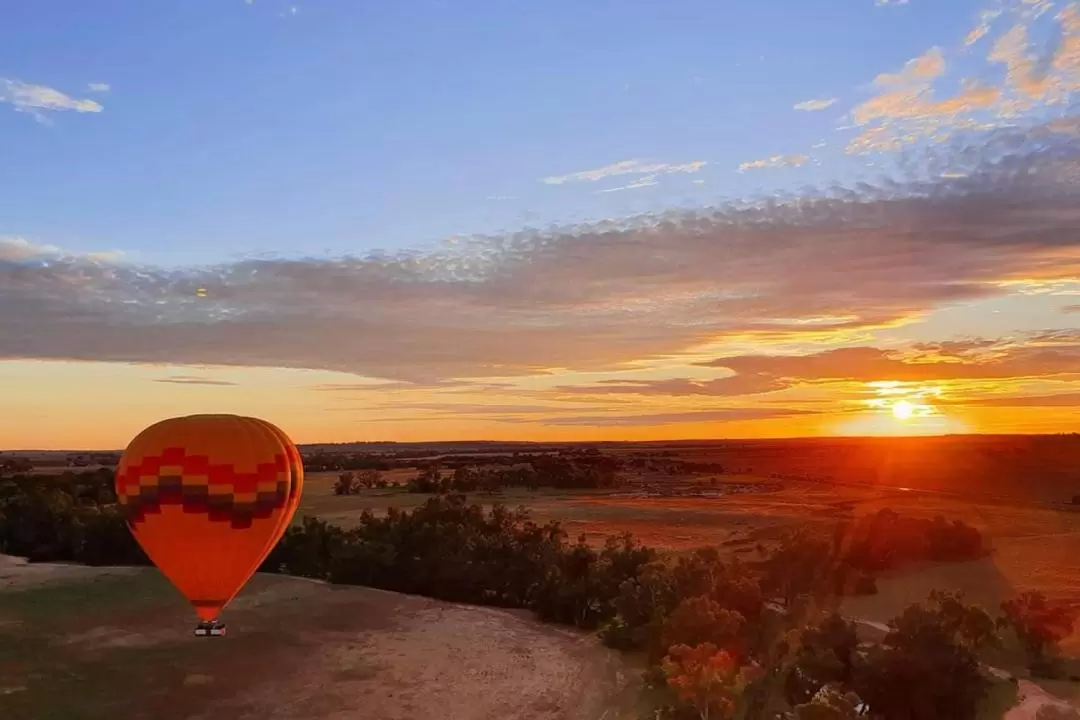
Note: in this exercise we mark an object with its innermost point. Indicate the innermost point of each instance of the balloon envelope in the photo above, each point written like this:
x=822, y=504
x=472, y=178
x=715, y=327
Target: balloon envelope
x=207, y=497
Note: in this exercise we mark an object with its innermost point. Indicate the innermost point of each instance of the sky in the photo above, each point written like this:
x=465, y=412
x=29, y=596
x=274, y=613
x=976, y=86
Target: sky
x=568, y=220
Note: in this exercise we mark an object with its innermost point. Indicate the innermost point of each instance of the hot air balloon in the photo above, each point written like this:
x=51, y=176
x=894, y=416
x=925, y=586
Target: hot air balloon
x=207, y=497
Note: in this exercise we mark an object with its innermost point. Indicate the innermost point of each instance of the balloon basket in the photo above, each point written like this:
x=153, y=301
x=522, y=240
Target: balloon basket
x=210, y=628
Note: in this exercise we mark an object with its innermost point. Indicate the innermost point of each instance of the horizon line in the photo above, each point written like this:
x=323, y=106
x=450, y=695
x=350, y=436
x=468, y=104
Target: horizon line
x=603, y=442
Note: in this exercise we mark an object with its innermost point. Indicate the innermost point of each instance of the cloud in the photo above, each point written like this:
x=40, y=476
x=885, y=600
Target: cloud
x=1042, y=401
x=592, y=297
x=476, y=408
x=647, y=181
x=192, y=380
x=1047, y=77
x=748, y=384
x=98, y=87
x=1039, y=355
x=18, y=250
x=907, y=107
x=37, y=99
x=812, y=105
x=626, y=167
x=775, y=161
x=982, y=27
x=709, y=416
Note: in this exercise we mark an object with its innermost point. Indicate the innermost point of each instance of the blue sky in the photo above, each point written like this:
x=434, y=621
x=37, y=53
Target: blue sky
x=598, y=219
x=232, y=127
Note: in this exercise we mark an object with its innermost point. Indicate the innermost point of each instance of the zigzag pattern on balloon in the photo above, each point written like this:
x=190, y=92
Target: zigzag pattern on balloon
x=225, y=495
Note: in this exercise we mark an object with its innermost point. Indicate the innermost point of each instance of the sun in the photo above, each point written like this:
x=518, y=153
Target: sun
x=902, y=410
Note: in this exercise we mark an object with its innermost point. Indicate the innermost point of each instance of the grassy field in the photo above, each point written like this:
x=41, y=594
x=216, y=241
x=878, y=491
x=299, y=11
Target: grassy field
x=1034, y=547
x=120, y=646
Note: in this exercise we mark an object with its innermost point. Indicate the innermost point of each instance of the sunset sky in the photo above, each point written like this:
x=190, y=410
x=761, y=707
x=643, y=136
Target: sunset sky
x=558, y=220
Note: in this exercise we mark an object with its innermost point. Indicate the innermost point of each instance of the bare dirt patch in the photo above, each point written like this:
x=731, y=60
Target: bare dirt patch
x=17, y=573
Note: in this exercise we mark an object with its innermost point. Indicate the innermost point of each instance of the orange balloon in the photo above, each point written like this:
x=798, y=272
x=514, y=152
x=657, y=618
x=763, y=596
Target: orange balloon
x=296, y=469
x=207, y=497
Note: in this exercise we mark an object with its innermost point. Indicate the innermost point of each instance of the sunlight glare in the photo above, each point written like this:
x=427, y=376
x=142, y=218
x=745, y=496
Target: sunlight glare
x=903, y=410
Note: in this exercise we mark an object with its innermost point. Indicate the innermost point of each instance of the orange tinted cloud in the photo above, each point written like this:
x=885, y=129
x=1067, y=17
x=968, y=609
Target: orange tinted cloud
x=585, y=298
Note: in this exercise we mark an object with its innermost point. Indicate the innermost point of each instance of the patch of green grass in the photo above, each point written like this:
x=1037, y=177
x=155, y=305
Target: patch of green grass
x=94, y=682
x=87, y=598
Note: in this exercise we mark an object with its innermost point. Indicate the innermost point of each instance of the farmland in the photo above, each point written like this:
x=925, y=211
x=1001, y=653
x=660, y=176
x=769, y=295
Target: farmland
x=1028, y=519
x=740, y=499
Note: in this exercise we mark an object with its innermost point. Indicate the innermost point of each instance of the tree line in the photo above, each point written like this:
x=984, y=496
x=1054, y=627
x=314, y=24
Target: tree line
x=583, y=471
x=722, y=639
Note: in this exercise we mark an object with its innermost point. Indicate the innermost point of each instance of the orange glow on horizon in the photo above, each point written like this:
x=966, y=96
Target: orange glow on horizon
x=90, y=406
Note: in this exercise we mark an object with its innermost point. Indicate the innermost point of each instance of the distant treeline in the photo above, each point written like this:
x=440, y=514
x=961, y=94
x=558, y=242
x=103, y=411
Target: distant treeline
x=715, y=645
x=563, y=471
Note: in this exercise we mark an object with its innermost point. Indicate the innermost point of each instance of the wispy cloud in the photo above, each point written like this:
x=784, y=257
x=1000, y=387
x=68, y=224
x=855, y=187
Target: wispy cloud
x=733, y=386
x=813, y=105
x=98, y=87
x=192, y=380
x=672, y=418
x=982, y=27
x=1037, y=355
x=648, y=171
x=588, y=297
x=39, y=99
x=1035, y=401
x=776, y=161
x=647, y=181
x=909, y=107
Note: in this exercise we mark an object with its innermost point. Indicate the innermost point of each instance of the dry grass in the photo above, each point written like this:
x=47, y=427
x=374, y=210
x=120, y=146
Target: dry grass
x=1035, y=547
x=296, y=649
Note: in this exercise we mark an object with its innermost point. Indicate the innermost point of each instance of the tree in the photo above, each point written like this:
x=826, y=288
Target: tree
x=427, y=480
x=830, y=703
x=346, y=484
x=703, y=620
x=707, y=680
x=802, y=563
x=969, y=625
x=1039, y=625
x=925, y=669
x=370, y=478
x=825, y=655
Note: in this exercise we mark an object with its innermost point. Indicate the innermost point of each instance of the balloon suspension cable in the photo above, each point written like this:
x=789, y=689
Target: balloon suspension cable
x=210, y=628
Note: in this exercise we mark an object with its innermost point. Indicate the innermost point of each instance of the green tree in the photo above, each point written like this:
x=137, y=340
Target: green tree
x=825, y=655
x=369, y=478
x=703, y=620
x=346, y=484
x=832, y=702
x=707, y=680
x=925, y=669
x=801, y=564
x=1039, y=625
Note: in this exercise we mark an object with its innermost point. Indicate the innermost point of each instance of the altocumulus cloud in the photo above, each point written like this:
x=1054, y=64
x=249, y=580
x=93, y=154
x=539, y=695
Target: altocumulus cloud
x=585, y=297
